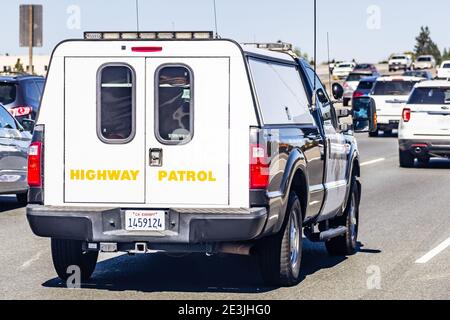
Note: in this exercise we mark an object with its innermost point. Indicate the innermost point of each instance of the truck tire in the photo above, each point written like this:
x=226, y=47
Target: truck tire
x=280, y=255
x=66, y=253
x=22, y=198
x=373, y=134
x=347, y=244
x=406, y=159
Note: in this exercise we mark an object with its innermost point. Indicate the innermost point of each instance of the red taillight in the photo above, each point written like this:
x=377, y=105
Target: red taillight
x=34, y=164
x=146, y=49
x=406, y=115
x=357, y=94
x=20, y=111
x=259, y=167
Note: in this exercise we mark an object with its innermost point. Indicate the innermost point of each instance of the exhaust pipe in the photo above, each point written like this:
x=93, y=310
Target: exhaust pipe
x=234, y=248
x=418, y=150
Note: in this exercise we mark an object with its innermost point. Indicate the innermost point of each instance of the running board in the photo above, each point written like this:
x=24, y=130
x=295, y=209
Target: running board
x=327, y=234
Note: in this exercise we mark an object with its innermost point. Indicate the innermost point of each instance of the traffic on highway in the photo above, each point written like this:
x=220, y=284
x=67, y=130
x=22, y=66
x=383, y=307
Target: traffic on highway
x=150, y=164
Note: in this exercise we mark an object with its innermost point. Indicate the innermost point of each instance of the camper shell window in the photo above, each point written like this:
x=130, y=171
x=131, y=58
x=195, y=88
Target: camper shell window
x=116, y=103
x=174, y=119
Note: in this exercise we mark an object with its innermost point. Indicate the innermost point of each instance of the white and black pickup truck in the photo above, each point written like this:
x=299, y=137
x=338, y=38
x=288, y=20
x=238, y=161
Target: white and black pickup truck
x=186, y=143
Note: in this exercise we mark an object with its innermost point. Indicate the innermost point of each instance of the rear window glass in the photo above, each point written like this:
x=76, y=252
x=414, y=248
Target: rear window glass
x=446, y=66
x=281, y=94
x=430, y=96
x=174, y=104
x=393, y=88
x=8, y=93
x=354, y=77
x=424, y=59
x=117, y=103
x=31, y=93
x=365, y=85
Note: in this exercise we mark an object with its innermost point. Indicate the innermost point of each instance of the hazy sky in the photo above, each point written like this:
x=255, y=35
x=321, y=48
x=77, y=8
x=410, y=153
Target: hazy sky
x=368, y=30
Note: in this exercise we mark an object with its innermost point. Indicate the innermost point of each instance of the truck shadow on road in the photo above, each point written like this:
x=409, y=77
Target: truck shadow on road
x=194, y=273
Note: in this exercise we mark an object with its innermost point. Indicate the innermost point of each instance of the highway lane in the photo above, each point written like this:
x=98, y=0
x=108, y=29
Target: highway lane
x=404, y=215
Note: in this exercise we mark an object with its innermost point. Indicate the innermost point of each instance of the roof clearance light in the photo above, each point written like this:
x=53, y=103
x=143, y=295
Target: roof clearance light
x=203, y=35
x=129, y=35
x=147, y=35
x=111, y=35
x=93, y=35
x=183, y=35
x=165, y=35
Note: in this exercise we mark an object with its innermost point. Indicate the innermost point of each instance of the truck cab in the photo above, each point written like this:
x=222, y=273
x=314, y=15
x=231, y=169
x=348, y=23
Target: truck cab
x=179, y=142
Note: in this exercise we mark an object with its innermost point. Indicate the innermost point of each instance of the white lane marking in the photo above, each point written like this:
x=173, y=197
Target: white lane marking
x=28, y=263
x=372, y=162
x=434, y=252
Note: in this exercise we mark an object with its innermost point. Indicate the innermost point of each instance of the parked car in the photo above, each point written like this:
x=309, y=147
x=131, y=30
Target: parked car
x=424, y=130
x=366, y=67
x=443, y=72
x=390, y=94
x=343, y=69
x=427, y=75
x=138, y=175
x=351, y=83
x=21, y=95
x=365, y=86
x=400, y=62
x=14, y=142
x=424, y=62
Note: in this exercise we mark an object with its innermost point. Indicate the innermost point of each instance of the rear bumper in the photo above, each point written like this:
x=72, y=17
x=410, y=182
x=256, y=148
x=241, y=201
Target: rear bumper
x=184, y=226
x=426, y=147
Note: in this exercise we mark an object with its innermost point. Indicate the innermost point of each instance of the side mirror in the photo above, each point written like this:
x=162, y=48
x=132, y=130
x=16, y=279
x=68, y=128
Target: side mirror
x=321, y=96
x=364, y=113
x=338, y=91
x=28, y=124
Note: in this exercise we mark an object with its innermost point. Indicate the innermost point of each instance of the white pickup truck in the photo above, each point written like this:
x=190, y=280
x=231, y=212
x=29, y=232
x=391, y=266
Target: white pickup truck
x=400, y=62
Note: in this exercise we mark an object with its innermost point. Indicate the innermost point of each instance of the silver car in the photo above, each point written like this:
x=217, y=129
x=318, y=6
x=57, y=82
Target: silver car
x=14, y=142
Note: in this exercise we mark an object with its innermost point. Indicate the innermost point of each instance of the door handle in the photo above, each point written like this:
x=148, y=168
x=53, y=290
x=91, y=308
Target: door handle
x=156, y=157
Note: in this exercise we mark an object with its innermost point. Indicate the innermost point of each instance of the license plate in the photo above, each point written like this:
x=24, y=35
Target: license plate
x=145, y=220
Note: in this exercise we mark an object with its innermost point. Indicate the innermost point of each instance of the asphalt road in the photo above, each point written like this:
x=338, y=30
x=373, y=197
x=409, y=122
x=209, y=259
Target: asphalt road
x=404, y=215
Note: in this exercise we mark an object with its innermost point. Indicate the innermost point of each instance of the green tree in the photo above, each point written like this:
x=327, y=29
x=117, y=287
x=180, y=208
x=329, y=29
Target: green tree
x=446, y=54
x=425, y=45
x=301, y=54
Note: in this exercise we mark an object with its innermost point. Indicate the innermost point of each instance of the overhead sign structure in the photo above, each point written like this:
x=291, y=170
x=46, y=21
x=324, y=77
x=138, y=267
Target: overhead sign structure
x=31, y=26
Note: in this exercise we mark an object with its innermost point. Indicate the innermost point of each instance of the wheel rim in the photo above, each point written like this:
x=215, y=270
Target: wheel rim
x=353, y=220
x=294, y=240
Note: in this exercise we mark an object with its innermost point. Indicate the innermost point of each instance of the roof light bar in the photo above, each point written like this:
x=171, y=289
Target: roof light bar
x=277, y=46
x=149, y=35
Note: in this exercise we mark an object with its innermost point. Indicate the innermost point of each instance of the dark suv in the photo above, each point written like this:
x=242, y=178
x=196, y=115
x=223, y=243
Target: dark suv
x=21, y=94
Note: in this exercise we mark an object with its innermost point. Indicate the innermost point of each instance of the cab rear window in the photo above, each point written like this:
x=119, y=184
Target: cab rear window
x=116, y=103
x=174, y=104
x=8, y=93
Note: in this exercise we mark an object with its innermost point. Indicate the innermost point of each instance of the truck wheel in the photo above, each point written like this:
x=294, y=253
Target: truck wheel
x=280, y=255
x=66, y=253
x=373, y=134
x=346, y=244
x=22, y=198
x=406, y=159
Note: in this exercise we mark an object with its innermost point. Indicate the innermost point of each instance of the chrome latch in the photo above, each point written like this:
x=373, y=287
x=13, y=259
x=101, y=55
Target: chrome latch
x=156, y=157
